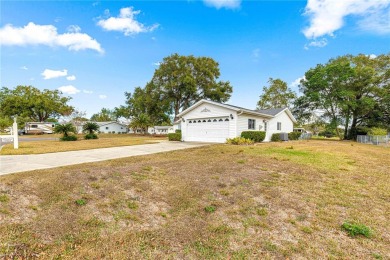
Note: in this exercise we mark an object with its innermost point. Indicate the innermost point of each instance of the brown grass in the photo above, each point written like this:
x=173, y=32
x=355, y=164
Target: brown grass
x=52, y=146
x=283, y=200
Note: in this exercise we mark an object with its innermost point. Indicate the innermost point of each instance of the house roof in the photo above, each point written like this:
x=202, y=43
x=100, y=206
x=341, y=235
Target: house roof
x=163, y=126
x=109, y=122
x=271, y=111
x=268, y=113
x=234, y=108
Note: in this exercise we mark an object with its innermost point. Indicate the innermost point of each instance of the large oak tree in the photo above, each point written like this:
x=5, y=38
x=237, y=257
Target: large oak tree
x=33, y=103
x=276, y=95
x=184, y=80
x=352, y=90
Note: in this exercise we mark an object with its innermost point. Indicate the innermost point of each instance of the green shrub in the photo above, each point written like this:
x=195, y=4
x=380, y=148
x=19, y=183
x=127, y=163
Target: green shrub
x=177, y=131
x=377, y=131
x=91, y=136
x=174, y=137
x=275, y=137
x=294, y=135
x=327, y=133
x=256, y=136
x=355, y=229
x=69, y=138
x=239, y=141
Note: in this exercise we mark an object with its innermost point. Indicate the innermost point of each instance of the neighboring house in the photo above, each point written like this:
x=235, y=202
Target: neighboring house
x=161, y=130
x=112, y=127
x=208, y=121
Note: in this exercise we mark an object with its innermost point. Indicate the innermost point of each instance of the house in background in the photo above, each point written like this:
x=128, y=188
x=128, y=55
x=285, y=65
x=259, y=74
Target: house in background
x=161, y=130
x=112, y=127
x=209, y=121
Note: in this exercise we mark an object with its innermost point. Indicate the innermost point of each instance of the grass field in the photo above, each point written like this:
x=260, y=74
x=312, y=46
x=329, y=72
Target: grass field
x=51, y=146
x=274, y=200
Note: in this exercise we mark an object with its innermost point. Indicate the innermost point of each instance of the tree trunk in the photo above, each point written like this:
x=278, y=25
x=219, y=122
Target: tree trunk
x=346, y=125
x=352, y=132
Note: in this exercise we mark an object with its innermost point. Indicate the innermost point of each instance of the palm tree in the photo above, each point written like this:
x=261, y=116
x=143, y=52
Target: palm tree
x=90, y=127
x=64, y=129
x=141, y=121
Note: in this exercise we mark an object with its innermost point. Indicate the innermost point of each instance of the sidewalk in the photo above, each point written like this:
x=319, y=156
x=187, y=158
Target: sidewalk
x=20, y=163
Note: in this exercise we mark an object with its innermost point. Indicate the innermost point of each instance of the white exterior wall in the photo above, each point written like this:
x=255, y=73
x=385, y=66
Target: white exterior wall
x=242, y=123
x=113, y=127
x=287, y=125
x=210, y=111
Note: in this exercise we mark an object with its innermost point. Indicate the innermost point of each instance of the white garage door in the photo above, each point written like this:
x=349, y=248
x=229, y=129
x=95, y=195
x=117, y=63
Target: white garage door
x=208, y=130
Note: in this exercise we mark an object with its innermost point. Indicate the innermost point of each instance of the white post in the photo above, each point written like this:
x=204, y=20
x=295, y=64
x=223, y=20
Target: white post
x=15, y=130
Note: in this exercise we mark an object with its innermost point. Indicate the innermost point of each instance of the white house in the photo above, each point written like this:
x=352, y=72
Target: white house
x=112, y=127
x=208, y=121
x=161, y=130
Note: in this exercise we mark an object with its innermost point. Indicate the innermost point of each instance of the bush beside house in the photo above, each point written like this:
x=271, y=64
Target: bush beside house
x=275, y=137
x=174, y=136
x=255, y=136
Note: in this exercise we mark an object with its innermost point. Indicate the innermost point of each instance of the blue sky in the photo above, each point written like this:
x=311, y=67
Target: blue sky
x=94, y=51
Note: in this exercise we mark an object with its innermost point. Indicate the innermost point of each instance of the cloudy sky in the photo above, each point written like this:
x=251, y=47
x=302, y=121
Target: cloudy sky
x=94, y=51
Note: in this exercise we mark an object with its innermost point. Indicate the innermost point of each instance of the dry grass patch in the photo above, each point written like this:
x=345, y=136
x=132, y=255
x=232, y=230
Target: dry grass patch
x=104, y=141
x=202, y=204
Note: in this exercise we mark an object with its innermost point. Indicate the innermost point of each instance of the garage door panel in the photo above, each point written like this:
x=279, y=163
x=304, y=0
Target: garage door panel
x=208, y=130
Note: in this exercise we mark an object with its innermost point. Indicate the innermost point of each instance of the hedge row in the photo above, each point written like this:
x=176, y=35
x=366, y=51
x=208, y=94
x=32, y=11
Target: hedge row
x=275, y=137
x=256, y=136
x=294, y=135
x=174, y=136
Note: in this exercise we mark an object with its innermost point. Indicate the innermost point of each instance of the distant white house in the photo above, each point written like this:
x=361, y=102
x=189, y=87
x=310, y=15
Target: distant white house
x=112, y=127
x=161, y=130
x=208, y=121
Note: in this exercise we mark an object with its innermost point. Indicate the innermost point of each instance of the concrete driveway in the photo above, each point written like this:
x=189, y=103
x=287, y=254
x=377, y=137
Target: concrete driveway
x=20, y=163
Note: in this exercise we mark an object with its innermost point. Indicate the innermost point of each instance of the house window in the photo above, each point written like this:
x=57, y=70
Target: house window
x=265, y=126
x=279, y=126
x=106, y=127
x=251, y=124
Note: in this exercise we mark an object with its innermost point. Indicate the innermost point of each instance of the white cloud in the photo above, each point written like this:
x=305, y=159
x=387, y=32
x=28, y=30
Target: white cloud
x=87, y=91
x=372, y=56
x=70, y=78
x=125, y=22
x=228, y=4
x=327, y=16
x=157, y=64
x=69, y=89
x=317, y=43
x=23, y=68
x=296, y=82
x=51, y=74
x=74, y=29
x=102, y=96
x=33, y=34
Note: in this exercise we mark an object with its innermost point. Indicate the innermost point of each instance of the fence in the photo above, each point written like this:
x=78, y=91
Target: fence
x=305, y=136
x=383, y=140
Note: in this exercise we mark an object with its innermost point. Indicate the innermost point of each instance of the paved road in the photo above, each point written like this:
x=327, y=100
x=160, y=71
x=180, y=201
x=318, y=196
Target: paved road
x=20, y=163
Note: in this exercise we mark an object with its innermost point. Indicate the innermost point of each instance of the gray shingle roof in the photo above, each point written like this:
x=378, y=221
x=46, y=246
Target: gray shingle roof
x=272, y=111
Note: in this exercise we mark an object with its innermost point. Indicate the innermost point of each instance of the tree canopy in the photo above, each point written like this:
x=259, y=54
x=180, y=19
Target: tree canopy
x=104, y=115
x=352, y=90
x=30, y=102
x=177, y=83
x=276, y=95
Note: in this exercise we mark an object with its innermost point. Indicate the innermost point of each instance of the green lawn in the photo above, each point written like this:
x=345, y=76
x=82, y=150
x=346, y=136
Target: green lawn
x=296, y=200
